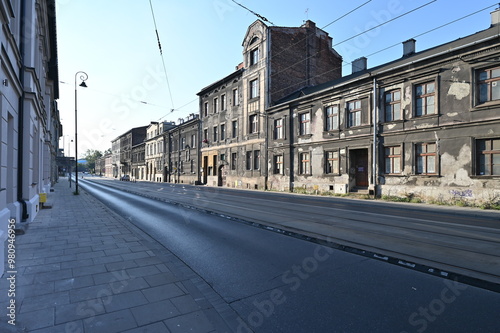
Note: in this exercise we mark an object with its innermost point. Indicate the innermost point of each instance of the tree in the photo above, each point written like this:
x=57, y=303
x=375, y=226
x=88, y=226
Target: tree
x=91, y=156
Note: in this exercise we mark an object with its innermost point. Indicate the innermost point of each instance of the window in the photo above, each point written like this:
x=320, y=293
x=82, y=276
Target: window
x=253, y=123
x=489, y=85
x=205, y=110
x=216, y=105
x=222, y=157
x=234, y=130
x=305, y=164
x=236, y=97
x=216, y=136
x=332, y=118
x=234, y=157
x=214, y=158
x=332, y=162
x=305, y=123
x=205, y=135
x=254, y=56
x=392, y=160
x=488, y=157
x=193, y=141
x=393, y=105
x=426, y=158
x=183, y=143
x=425, y=99
x=223, y=102
x=223, y=132
x=354, y=109
x=256, y=159
x=187, y=155
x=254, y=88
x=249, y=160
x=278, y=129
x=278, y=164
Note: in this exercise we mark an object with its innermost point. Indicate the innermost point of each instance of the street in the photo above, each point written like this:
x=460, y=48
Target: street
x=277, y=283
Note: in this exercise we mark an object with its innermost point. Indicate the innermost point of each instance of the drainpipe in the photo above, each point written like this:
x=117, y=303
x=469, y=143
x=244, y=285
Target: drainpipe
x=20, y=151
x=374, y=148
x=266, y=152
x=291, y=149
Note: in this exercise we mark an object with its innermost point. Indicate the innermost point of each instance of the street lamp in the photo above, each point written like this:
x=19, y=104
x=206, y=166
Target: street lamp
x=83, y=77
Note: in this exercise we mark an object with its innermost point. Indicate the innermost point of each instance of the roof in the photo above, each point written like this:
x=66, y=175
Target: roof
x=220, y=82
x=440, y=50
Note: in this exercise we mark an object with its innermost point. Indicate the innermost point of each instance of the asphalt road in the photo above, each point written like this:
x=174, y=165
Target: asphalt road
x=459, y=242
x=277, y=283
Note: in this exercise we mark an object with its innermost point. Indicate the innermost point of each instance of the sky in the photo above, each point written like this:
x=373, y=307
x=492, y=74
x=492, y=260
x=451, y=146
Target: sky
x=129, y=83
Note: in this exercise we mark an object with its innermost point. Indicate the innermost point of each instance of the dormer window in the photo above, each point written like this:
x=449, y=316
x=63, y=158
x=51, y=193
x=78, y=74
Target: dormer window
x=254, y=56
x=254, y=40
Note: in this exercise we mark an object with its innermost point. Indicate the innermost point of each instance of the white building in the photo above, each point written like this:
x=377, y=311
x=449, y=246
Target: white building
x=155, y=150
x=30, y=124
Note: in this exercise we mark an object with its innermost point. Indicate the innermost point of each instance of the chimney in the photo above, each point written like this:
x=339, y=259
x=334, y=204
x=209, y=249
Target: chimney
x=409, y=47
x=359, y=65
x=495, y=17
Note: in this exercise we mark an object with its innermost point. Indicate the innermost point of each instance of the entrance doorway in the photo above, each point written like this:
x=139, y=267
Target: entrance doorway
x=205, y=169
x=221, y=179
x=359, y=166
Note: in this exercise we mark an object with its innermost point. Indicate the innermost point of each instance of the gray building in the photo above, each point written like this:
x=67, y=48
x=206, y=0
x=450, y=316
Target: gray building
x=122, y=150
x=183, y=143
x=426, y=125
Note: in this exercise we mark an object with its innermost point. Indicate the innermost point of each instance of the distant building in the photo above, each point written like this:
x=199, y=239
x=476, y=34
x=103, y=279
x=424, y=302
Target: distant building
x=30, y=123
x=155, y=150
x=122, y=150
x=182, y=142
x=139, y=161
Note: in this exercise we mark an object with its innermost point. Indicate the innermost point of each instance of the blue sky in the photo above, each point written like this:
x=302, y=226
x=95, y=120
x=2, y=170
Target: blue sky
x=114, y=42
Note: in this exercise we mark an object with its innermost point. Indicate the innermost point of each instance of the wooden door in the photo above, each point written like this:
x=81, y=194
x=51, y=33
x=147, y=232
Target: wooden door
x=361, y=167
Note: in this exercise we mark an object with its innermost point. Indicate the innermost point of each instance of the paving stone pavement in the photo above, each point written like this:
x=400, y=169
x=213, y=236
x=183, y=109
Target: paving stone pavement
x=82, y=268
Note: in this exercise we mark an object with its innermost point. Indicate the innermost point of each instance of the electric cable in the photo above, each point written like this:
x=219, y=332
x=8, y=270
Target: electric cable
x=161, y=54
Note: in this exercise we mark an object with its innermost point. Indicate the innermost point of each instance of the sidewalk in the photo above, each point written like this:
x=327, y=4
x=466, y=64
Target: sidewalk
x=82, y=268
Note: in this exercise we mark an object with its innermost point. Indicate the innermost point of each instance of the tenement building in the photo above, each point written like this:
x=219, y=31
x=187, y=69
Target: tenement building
x=30, y=123
x=122, y=150
x=426, y=125
x=276, y=62
x=182, y=141
x=155, y=150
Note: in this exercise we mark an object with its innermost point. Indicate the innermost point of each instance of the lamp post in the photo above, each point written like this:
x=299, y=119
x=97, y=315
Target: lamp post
x=83, y=77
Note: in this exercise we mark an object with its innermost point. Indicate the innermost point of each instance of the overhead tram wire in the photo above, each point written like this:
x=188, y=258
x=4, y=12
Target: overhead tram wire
x=383, y=23
x=251, y=11
x=361, y=33
x=161, y=54
x=120, y=96
x=171, y=111
x=421, y=34
x=434, y=29
x=337, y=19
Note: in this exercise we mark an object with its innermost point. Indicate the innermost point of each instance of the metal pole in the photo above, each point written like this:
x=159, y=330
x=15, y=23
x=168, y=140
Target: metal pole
x=83, y=77
x=374, y=157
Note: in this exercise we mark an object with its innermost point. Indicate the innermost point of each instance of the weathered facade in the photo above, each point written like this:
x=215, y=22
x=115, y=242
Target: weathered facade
x=220, y=129
x=30, y=124
x=182, y=141
x=139, y=161
x=426, y=125
x=155, y=150
x=276, y=62
x=122, y=150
